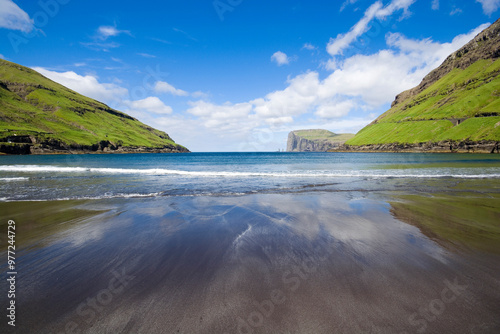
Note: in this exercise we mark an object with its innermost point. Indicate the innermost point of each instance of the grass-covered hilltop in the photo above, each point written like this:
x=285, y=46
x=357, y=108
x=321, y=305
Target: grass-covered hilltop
x=39, y=116
x=315, y=140
x=455, y=108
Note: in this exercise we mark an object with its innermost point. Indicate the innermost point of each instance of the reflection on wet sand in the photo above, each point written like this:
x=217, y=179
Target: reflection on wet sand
x=276, y=263
x=41, y=221
x=457, y=221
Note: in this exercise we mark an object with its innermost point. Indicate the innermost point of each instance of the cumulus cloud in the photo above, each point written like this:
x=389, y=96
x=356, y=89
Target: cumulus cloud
x=227, y=117
x=296, y=99
x=280, y=58
x=377, y=10
x=489, y=6
x=150, y=104
x=14, y=18
x=365, y=83
x=335, y=109
x=87, y=85
x=165, y=87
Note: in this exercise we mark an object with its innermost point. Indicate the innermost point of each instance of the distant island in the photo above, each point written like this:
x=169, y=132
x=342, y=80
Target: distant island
x=315, y=140
x=40, y=116
x=456, y=107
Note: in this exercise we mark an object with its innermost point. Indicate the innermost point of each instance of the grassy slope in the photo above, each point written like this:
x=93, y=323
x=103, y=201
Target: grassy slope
x=468, y=93
x=32, y=104
x=323, y=134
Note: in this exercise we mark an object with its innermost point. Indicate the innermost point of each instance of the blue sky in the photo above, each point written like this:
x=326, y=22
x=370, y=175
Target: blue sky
x=238, y=75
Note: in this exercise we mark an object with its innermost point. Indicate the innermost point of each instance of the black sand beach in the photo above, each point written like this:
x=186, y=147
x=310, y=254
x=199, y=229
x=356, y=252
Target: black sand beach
x=313, y=262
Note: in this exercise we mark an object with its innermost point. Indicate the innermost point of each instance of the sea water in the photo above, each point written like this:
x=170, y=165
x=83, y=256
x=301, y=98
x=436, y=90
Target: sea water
x=60, y=177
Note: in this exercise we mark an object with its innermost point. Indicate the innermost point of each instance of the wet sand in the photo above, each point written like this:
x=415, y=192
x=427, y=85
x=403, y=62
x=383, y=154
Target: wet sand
x=318, y=262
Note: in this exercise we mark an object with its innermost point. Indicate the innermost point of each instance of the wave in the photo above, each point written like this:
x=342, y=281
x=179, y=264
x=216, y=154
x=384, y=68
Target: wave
x=8, y=179
x=131, y=195
x=106, y=196
x=437, y=173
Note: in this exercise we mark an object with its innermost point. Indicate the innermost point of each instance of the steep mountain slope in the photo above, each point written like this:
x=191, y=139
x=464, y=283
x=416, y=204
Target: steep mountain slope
x=456, y=107
x=315, y=140
x=38, y=115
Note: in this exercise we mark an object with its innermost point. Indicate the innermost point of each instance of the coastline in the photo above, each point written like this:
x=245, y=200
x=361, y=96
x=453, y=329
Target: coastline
x=486, y=146
x=29, y=149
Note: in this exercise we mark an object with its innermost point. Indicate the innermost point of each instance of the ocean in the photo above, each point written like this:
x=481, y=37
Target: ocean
x=60, y=177
x=250, y=243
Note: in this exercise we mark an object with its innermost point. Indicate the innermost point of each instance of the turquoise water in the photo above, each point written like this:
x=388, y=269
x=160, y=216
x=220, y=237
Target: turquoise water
x=58, y=177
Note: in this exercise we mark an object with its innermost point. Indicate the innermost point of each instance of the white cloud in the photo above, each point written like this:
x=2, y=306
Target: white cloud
x=146, y=55
x=165, y=87
x=226, y=117
x=104, y=32
x=87, y=85
x=362, y=83
x=106, y=47
x=14, y=18
x=350, y=125
x=377, y=78
x=2, y=56
x=489, y=6
x=335, y=109
x=435, y=4
x=200, y=95
x=296, y=99
x=347, y=3
x=337, y=45
x=309, y=46
x=455, y=11
x=280, y=58
x=150, y=104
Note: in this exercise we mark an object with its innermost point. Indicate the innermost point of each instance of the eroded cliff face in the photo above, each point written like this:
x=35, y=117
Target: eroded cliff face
x=298, y=141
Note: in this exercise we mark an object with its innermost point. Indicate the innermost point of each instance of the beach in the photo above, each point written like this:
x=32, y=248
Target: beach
x=338, y=257
x=300, y=263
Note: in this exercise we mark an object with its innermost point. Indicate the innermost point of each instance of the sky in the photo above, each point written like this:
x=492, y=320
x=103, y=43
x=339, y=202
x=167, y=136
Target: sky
x=239, y=75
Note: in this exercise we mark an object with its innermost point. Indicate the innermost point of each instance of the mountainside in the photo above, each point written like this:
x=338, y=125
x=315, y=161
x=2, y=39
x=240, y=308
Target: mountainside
x=40, y=116
x=314, y=140
x=456, y=107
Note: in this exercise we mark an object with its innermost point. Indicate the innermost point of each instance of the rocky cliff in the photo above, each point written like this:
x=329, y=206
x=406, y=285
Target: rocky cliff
x=314, y=140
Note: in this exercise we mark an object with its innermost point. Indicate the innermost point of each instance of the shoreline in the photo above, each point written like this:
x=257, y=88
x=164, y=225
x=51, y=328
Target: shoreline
x=487, y=146
x=30, y=150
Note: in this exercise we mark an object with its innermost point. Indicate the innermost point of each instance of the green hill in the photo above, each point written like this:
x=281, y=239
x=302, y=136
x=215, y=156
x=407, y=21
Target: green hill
x=315, y=140
x=456, y=107
x=40, y=116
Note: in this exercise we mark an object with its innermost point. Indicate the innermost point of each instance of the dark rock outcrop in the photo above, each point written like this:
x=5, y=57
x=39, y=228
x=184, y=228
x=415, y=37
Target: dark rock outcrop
x=28, y=145
x=485, y=146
